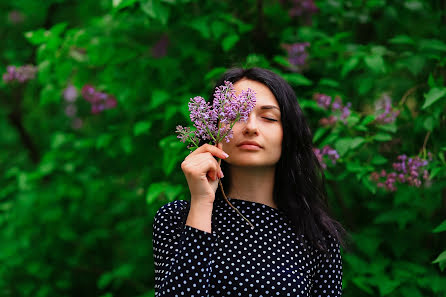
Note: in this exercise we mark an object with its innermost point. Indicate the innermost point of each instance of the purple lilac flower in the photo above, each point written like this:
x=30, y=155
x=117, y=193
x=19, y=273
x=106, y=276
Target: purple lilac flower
x=302, y=7
x=19, y=74
x=15, y=17
x=407, y=170
x=297, y=54
x=340, y=111
x=384, y=110
x=70, y=93
x=215, y=122
x=326, y=151
x=99, y=101
x=77, y=123
x=159, y=50
x=70, y=110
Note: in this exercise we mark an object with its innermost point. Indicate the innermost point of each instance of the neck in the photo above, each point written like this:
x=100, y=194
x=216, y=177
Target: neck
x=252, y=184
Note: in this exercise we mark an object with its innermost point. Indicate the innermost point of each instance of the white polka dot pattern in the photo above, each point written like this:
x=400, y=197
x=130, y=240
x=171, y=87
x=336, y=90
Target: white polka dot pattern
x=236, y=260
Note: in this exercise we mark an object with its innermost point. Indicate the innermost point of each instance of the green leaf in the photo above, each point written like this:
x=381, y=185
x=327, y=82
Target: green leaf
x=402, y=39
x=120, y=4
x=201, y=25
x=103, y=140
x=218, y=28
x=229, y=42
x=440, y=258
x=379, y=160
x=127, y=145
x=375, y=63
x=391, y=127
x=156, y=10
x=158, y=97
x=214, y=73
x=37, y=37
x=318, y=134
x=440, y=228
x=169, y=190
x=345, y=144
x=154, y=190
x=349, y=65
x=297, y=79
x=173, y=152
x=433, y=96
x=433, y=44
x=382, y=137
x=329, y=82
x=368, y=119
x=141, y=127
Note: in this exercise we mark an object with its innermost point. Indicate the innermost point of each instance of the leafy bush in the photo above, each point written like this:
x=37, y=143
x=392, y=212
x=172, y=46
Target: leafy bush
x=93, y=90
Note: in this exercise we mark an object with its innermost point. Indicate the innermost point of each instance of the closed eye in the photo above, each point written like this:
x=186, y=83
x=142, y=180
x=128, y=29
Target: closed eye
x=271, y=119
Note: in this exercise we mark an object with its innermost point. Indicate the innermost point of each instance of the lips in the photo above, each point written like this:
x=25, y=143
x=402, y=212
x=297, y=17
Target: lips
x=249, y=143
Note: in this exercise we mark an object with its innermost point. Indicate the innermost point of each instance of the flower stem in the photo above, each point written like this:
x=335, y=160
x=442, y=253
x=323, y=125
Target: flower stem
x=226, y=198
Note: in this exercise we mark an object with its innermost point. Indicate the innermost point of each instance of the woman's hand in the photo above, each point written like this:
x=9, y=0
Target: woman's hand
x=202, y=172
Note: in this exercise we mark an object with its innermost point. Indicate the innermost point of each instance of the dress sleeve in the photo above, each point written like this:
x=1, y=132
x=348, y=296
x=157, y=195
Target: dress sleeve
x=181, y=253
x=327, y=280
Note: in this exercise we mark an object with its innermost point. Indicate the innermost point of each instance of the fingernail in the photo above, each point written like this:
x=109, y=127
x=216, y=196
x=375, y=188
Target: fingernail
x=225, y=154
x=221, y=173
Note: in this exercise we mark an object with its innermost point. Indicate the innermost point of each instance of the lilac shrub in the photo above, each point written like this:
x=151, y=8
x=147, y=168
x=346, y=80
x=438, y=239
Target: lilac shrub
x=20, y=74
x=99, y=101
x=407, y=170
x=215, y=123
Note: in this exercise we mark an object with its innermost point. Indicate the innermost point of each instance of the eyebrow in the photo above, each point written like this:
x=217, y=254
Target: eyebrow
x=269, y=107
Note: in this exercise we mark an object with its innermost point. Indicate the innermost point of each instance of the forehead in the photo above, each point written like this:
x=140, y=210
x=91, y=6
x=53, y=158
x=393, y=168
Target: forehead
x=264, y=96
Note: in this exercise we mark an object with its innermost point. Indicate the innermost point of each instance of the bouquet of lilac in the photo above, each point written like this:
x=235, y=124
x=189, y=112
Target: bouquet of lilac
x=215, y=123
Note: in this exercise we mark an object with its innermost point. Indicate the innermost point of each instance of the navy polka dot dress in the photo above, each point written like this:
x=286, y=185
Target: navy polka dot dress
x=237, y=260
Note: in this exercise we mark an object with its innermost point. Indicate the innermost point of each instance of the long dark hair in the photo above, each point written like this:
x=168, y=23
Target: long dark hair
x=299, y=182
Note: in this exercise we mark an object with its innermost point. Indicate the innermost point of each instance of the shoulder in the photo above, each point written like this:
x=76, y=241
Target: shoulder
x=171, y=212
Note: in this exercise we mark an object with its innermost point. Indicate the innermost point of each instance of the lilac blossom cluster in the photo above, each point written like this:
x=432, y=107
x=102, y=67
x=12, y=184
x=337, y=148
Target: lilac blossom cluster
x=407, y=170
x=19, y=74
x=297, y=54
x=70, y=95
x=215, y=122
x=341, y=112
x=303, y=7
x=385, y=112
x=326, y=151
x=99, y=101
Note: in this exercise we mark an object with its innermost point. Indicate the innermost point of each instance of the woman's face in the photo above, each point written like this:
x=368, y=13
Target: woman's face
x=264, y=126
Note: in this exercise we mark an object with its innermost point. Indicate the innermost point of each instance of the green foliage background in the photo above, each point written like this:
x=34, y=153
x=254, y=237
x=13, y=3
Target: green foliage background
x=77, y=205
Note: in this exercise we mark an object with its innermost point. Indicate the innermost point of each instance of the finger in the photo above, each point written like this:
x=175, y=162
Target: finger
x=215, y=151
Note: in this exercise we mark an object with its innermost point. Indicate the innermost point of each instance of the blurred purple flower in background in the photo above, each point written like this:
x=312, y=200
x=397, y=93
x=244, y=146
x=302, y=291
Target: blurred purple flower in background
x=303, y=7
x=70, y=93
x=20, y=74
x=341, y=112
x=99, y=101
x=159, y=50
x=297, y=54
x=385, y=112
x=326, y=151
x=15, y=17
x=407, y=170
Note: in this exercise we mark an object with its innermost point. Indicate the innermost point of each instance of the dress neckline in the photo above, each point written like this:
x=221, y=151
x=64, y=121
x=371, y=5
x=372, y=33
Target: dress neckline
x=252, y=203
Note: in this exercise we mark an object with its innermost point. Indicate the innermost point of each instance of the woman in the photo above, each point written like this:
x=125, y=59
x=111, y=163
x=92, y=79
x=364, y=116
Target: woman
x=272, y=176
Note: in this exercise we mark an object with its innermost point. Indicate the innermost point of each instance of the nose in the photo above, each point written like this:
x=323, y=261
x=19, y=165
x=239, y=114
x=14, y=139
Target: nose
x=250, y=125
